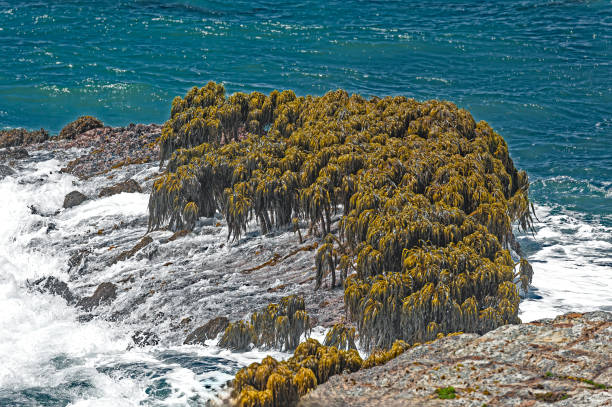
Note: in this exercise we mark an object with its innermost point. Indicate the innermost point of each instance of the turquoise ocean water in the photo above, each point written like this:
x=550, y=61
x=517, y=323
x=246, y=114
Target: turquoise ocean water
x=540, y=72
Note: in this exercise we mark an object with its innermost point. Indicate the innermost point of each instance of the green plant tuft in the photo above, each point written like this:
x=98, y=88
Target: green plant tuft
x=446, y=393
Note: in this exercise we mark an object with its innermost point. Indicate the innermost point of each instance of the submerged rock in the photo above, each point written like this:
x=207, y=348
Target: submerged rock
x=77, y=261
x=126, y=186
x=210, y=330
x=106, y=292
x=129, y=253
x=55, y=286
x=566, y=360
x=74, y=198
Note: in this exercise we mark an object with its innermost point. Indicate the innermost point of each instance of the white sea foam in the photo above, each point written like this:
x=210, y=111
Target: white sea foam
x=44, y=347
x=41, y=343
x=572, y=264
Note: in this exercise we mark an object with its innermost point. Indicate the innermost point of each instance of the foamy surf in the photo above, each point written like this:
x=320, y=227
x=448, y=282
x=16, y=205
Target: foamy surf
x=572, y=264
x=48, y=357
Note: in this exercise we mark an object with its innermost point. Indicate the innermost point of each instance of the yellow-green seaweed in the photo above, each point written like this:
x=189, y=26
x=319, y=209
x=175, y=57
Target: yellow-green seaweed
x=425, y=196
x=278, y=326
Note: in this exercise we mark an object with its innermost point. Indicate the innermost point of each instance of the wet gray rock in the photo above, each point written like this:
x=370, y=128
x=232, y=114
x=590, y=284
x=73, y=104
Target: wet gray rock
x=55, y=286
x=145, y=338
x=566, y=360
x=105, y=293
x=128, y=186
x=5, y=171
x=13, y=154
x=210, y=330
x=78, y=261
x=74, y=198
x=85, y=318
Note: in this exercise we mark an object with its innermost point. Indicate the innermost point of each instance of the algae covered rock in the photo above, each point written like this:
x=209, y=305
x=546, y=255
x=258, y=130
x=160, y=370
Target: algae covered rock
x=279, y=325
x=425, y=195
x=80, y=125
x=274, y=383
x=74, y=198
x=413, y=204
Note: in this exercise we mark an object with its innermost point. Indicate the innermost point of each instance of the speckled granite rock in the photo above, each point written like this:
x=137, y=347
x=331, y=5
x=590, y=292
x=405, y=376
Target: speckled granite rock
x=566, y=361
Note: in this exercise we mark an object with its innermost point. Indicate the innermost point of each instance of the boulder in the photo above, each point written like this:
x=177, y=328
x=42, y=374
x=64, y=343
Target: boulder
x=145, y=338
x=105, y=293
x=126, y=186
x=74, y=198
x=80, y=125
x=55, y=286
x=210, y=330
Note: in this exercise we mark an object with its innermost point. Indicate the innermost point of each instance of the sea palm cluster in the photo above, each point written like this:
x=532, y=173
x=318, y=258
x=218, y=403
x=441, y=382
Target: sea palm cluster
x=341, y=336
x=278, y=326
x=281, y=384
x=426, y=199
x=272, y=383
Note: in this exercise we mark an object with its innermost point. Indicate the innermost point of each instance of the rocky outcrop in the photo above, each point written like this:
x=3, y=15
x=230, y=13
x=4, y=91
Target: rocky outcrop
x=80, y=125
x=111, y=148
x=566, y=360
x=210, y=330
x=128, y=186
x=74, y=198
x=20, y=137
x=106, y=292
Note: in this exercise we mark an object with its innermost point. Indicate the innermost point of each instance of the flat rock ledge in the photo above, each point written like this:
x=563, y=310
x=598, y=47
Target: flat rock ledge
x=563, y=362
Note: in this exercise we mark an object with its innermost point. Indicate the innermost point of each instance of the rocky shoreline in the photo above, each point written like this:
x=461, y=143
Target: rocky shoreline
x=145, y=271
x=565, y=361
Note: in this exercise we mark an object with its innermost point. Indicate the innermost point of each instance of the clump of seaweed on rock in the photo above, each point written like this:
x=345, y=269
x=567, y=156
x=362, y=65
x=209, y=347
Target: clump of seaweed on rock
x=278, y=326
x=426, y=199
x=272, y=383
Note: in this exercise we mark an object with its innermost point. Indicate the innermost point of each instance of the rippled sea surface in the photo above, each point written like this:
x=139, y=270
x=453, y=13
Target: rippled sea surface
x=540, y=72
